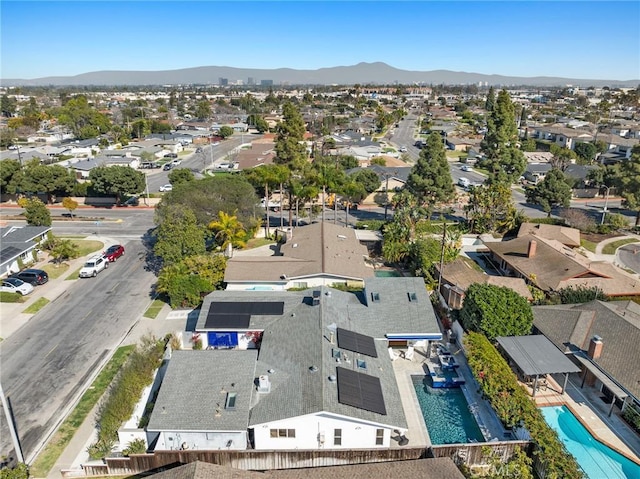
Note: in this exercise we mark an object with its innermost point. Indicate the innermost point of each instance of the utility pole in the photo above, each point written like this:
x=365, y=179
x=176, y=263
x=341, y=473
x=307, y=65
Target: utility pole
x=12, y=430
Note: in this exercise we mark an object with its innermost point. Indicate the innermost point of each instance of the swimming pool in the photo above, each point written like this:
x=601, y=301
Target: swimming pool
x=387, y=273
x=597, y=460
x=446, y=413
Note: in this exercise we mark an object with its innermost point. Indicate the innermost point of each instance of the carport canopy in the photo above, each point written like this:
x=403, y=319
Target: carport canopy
x=536, y=356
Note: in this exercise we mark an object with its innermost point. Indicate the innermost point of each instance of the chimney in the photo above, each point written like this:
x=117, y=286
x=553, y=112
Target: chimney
x=533, y=245
x=595, y=347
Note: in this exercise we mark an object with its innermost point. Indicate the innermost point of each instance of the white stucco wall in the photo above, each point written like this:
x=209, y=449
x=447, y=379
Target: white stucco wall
x=200, y=440
x=316, y=431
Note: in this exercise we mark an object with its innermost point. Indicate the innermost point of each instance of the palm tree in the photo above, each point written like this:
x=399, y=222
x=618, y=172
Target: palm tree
x=228, y=230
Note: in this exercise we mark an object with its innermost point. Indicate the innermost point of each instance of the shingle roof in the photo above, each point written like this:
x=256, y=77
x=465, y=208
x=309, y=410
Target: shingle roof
x=320, y=248
x=15, y=240
x=194, y=391
x=565, y=235
x=616, y=322
x=554, y=266
x=433, y=468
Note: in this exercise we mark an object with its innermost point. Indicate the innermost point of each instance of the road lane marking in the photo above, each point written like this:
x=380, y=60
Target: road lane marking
x=52, y=349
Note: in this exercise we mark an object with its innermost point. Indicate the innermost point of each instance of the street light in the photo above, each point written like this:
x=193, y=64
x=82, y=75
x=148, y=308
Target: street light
x=606, y=201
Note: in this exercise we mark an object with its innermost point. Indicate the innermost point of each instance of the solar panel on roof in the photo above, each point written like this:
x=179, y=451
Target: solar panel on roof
x=234, y=321
x=8, y=253
x=360, y=390
x=356, y=342
x=266, y=308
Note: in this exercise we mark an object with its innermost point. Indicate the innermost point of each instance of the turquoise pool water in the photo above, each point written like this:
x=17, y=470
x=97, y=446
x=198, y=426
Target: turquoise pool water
x=597, y=460
x=387, y=273
x=446, y=413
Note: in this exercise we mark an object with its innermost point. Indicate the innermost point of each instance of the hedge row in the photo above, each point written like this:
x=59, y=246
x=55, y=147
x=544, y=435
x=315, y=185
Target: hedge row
x=515, y=408
x=125, y=392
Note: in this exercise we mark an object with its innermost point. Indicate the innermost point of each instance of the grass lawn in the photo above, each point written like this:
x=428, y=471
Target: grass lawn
x=55, y=270
x=86, y=247
x=36, y=306
x=52, y=451
x=588, y=245
x=153, y=310
x=74, y=275
x=7, y=297
x=455, y=154
x=612, y=247
x=257, y=242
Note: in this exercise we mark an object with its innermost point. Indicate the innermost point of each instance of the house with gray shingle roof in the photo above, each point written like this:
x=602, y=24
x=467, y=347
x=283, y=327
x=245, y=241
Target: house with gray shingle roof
x=18, y=243
x=612, y=364
x=322, y=377
x=317, y=254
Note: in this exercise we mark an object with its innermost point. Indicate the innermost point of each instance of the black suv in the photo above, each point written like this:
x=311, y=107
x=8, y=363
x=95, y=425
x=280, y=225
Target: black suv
x=35, y=277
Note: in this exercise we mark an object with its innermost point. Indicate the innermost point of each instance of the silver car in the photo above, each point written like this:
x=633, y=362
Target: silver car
x=15, y=285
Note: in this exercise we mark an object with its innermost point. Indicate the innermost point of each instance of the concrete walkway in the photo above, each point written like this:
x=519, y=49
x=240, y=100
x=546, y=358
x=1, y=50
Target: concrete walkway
x=600, y=246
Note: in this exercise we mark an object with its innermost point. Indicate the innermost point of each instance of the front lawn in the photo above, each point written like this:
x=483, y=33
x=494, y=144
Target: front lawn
x=153, y=310
x=36, y=306
x=86, y=247
x=611, y=248
x=55, y=270
x=6, y=297
x=588, y=245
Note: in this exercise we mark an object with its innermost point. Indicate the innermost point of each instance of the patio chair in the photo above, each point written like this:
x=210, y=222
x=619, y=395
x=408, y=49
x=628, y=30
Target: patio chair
x=410, y=353
x=393, y=355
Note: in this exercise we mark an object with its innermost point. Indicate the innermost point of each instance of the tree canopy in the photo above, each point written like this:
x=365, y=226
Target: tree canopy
x=430, y=178
x=628, y=180
x=120, y=181
x=551, y=192
x=35, y=212
x=496, y=311
x=82, y=118
x=179, y=235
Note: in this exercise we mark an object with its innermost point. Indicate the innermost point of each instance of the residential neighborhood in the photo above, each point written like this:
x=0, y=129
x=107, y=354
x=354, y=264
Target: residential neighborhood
x=320, y=280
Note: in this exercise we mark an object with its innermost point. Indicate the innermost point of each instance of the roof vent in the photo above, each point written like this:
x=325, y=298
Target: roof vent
x=332, y=379
x=271, y=371
x=313, y=369
x=295, y=245
x=342, y=237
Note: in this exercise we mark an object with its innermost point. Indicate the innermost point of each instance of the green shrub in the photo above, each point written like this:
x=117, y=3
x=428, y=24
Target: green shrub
x=515, y=408
x=632, y=416
x=137, y=446
x=136, y=374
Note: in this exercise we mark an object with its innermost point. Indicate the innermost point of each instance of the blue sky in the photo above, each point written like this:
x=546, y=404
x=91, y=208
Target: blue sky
x=590, y=40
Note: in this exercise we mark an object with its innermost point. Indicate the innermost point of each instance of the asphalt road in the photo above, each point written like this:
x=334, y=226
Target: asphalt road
x=48, y=363
x=630, y=256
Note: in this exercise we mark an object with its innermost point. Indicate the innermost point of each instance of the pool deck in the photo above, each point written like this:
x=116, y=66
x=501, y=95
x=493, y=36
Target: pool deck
x=417, y=433
x=593, y=413
x=585, y=403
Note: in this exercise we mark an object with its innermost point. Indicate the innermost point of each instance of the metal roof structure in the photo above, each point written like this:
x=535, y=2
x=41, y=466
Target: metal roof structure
x=535, y=355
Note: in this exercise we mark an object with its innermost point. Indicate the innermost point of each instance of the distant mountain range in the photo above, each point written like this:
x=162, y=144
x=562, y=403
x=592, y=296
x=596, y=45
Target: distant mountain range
x=363, y=73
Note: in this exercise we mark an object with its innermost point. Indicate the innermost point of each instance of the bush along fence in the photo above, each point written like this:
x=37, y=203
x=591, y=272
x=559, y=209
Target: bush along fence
x=515, y=409
x=121, y=399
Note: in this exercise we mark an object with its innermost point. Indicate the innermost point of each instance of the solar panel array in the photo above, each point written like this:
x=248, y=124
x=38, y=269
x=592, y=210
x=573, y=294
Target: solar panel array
x=237, y=315
x=356, y=342
x=360, y=390
x=8, y=253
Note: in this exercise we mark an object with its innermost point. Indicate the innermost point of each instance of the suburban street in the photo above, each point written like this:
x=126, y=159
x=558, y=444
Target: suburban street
x=49, y=362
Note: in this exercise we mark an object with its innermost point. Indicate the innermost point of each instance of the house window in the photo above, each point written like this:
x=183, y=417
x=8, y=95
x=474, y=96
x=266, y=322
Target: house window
x=379, y=437
x=282, y=433
x=337, y=437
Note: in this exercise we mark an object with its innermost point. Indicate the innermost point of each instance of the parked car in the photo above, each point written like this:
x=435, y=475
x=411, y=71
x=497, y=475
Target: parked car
x=15, y=285
x=464, y=182
x=34, y=277
x=167, y=187
x=466, y=168
x=93, y=266
x=171, y=155
x=403, y=149
x=112, y=253
x=167, y=167
x=176, y=162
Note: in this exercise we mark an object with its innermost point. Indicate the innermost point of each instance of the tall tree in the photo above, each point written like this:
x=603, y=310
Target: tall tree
x=491, y=100
x=551, y=192
x=9, y=173
x=267, y=176
x=228, y=231
x=179, y=235
x=291, y=150
x=83, y=119
x=628, y=179
x=489, y=206
x=505, y=161
x=430, y=178
x=50, y=179
x=35, y=212
x=119, y=181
